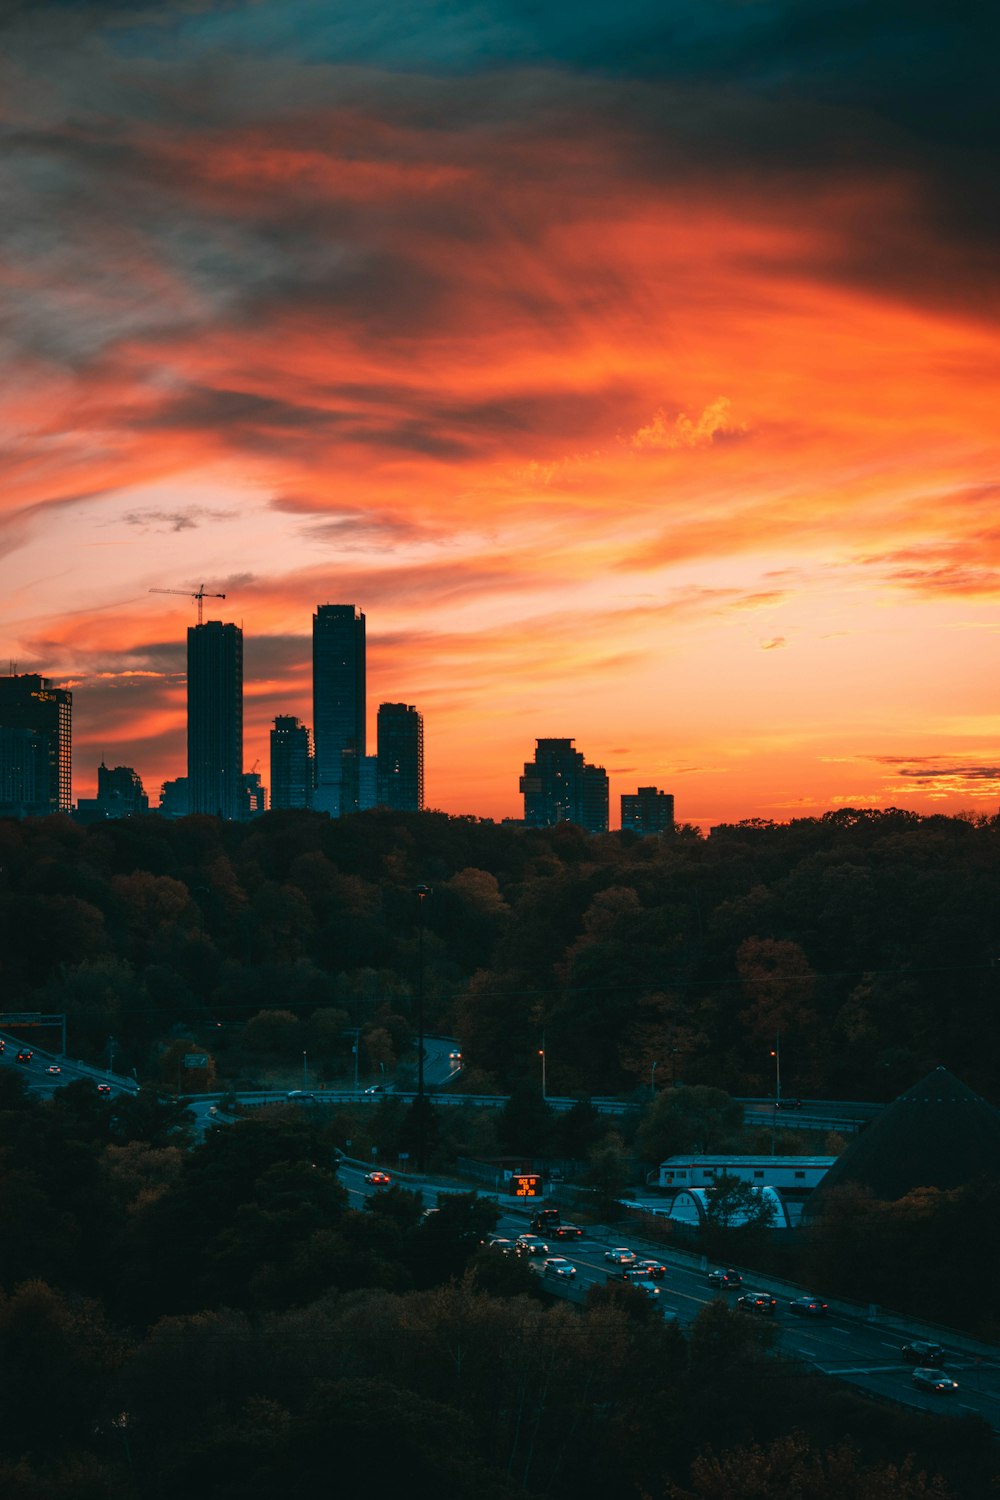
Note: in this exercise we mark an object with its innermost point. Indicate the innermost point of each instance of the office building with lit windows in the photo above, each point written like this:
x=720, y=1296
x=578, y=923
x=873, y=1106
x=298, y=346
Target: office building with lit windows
x=338, y=707
x=291, y=764
x=36, y=746
x=400, y=757
x=560, y=786
x=648, y=811
x=215, y=719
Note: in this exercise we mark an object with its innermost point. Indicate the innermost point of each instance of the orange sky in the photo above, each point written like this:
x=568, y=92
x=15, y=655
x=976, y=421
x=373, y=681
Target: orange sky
x=649, y=404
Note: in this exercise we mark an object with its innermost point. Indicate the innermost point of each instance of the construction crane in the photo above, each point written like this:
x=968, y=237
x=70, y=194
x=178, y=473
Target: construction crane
x=200, y=595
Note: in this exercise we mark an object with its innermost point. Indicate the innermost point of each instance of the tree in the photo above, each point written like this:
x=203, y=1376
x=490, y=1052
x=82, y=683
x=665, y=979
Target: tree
x=274, y=1033
x=790, y=1468
x=608, y=1170
x=57, y=1358
x=688, y=1119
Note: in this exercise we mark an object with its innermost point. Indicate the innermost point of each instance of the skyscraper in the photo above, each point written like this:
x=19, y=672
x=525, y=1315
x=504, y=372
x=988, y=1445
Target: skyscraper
x=400, y=757
x=338, y=706
x=559, y=786
x=215, y=719
x=36, y=746
x=648, y=811
x=291, y=764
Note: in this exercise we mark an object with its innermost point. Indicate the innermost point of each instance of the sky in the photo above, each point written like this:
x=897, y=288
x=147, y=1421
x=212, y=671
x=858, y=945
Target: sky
x=633, y=368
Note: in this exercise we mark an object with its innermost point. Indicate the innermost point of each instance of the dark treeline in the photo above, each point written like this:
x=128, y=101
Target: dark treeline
x=216, y=1321
x=869, y=940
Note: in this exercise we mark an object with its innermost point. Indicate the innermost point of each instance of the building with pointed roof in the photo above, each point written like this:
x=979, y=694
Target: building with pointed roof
x=938, y=1134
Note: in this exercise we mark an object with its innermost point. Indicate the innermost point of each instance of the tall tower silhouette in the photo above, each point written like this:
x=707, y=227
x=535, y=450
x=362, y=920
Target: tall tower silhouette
x=215, y=719
x=338, y=706
x=400, y=773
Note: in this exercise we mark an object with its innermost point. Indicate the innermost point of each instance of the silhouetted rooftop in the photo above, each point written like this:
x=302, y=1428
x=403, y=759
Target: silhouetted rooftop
x=938, y=1134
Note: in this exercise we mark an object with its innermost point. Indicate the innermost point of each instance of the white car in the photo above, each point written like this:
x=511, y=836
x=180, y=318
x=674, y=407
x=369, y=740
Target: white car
x=558, y=1265
x=530, y=1244
x=620, y=1255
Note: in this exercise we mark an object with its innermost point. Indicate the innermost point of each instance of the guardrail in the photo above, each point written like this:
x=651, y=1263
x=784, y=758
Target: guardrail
x=257, y=1098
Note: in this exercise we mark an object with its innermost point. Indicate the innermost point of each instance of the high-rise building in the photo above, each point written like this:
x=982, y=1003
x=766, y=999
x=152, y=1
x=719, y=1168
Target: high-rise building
x=120, y=794
x=291, y=764
x=400, y=757
x=559, y=786
x=253, y=800
x=215, y=719
x=368, y=783
x=175, y=798
x=648, y=811
x=594, y=799
x=36, y=746
x=338, y=706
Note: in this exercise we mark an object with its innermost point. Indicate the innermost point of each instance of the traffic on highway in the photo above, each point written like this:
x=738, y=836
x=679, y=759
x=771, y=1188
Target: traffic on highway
x=866, y=1353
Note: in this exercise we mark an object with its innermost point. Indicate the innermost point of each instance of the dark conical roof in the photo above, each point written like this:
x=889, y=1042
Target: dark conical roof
x=938, y=1134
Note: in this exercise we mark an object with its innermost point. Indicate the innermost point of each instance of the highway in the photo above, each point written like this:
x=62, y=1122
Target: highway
x=866, y=1354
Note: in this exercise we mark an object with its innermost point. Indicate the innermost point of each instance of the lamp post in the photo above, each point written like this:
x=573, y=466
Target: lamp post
x=652, y=1083
x=541, y=1053
x=421, y=892
x=305, y=1070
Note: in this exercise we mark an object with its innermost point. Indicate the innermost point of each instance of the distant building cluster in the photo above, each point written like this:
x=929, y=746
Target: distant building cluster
x=327, y=769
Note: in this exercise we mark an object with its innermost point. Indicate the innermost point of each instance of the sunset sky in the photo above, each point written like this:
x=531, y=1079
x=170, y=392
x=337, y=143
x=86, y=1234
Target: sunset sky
x=633, y=367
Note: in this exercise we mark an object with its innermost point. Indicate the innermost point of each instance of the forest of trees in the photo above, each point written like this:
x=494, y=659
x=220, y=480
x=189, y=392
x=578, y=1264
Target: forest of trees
x=216, y=1321
x=869, y=940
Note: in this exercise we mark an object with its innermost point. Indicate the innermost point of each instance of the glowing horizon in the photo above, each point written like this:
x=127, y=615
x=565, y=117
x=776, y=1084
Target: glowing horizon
x=637, y=377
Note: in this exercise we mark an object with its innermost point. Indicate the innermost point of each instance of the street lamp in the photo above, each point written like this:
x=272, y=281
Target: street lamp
x=541, y=1053
x=421, y=892
x=652, y=1084
x=305, y=1070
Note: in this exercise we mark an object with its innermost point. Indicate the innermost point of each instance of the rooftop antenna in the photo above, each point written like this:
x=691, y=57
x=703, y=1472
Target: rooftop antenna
x=200, y=595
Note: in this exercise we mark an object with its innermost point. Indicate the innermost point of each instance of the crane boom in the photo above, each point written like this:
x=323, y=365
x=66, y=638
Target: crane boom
x=198, y=594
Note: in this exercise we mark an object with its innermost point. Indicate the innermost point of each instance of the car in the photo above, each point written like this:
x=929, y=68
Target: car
x=567, y=1232
x=933, y=1380
x=497, y=1242
x=620, y=1255
x=558, y=1265
x=761, y=1302
x=726, y=1279
x=922, y=1352
x=3, y=1045
x=808, y=1307
x=530, y=1244
x=644, y=1285
x=53, y=1068
x=300, y=1096
x=25, y=1055
x=648, y=1267
x=378, y=1179
x=104, y=1088
x=376, y=1088
x=789, y=1103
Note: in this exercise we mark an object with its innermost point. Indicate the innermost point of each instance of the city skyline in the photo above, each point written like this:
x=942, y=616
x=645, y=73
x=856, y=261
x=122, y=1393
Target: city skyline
x=635, y=372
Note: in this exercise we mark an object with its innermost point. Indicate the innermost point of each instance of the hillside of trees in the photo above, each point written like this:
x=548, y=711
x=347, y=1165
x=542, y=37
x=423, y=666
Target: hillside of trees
x=215, y=1320
x=869, y=940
